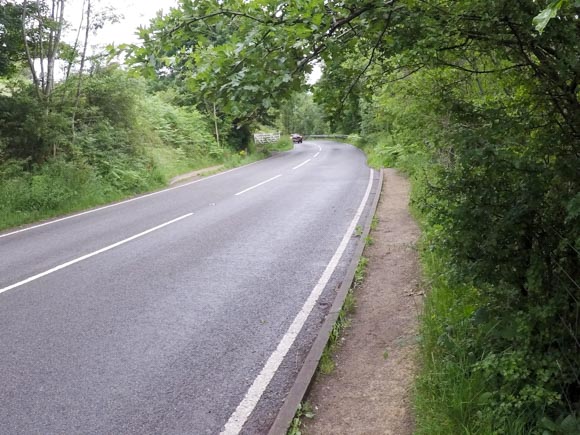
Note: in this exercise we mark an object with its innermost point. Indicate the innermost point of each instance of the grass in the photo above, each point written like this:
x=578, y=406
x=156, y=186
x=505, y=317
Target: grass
x=242, y=158
x=360, y=273
x=57, y=188
x=452, y=395
x=448, y=392
x=448, y=395
x=171, y=162
x=284, y=144
x=326, y=364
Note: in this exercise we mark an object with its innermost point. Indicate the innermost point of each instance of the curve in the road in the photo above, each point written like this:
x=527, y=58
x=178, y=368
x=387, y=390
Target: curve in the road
x=128, y=321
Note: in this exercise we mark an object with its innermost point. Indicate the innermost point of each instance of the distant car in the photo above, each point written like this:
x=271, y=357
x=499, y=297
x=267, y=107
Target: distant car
x=296, y=138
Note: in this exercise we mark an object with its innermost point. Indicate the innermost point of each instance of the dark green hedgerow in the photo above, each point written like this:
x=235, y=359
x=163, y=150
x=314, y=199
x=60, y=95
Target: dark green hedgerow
x=498, y=200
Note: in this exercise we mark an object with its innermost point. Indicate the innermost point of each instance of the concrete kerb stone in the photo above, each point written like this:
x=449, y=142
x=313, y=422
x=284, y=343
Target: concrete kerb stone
x=306, y=374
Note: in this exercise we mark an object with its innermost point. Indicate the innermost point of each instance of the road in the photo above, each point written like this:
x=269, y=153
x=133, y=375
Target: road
x=188, y=310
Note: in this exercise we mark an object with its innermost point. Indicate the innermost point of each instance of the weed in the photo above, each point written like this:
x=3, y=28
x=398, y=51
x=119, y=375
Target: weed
x=326, y=364
x=304, y=411
x=360, y=272
x=284, y=144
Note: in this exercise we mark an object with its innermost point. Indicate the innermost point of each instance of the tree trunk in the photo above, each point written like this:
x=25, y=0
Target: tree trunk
x=82, y=67
x=217, y=132
x=70, y=63
x=53, y=43
x=29, y=57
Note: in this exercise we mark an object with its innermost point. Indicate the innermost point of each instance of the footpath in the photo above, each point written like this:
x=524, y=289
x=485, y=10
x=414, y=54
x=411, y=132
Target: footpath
x=370, y=390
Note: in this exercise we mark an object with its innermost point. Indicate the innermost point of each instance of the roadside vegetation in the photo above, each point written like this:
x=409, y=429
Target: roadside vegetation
x=78, y=130
x=494, y=161
x=486, y=124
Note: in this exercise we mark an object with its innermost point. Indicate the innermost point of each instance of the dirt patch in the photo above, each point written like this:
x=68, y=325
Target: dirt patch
x=370, y=390
x=195, y=174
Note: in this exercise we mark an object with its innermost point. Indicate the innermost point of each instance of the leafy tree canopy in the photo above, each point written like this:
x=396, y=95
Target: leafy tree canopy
x=12, y=50
x=248, y=56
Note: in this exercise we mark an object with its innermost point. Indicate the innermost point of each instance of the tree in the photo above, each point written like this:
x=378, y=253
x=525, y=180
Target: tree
x=42, y=29
x=302, y=115
x=11, y=42
x=240, y=55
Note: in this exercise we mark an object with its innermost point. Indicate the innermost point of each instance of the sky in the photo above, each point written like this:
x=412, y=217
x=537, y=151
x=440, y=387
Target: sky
x=134, y=12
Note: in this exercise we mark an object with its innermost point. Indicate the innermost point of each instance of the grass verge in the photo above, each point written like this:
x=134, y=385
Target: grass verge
x=60, y=187
x=448, y=389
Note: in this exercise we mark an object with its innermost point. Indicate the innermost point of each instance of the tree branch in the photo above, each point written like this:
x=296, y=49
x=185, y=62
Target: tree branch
x=490, y=71
x=371, y=58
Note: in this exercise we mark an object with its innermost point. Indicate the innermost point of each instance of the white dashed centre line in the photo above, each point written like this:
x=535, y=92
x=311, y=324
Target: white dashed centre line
x=301, y=164
x=92, y=254
x=258, y=185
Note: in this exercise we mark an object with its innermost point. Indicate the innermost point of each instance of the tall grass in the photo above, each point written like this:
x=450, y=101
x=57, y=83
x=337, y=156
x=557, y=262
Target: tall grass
x=59, y=187
x=448, y=389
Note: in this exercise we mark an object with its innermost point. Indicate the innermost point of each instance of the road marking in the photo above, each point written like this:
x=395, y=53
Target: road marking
x=92, y=254
x=258, y=185
x=316, y=155
x=245, y=408
x=301, y=164
x=123, y=202
x=319, y=148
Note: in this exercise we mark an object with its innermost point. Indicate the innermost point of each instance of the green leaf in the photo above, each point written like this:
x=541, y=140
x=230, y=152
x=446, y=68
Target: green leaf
x=541, y=20
x=570, y=424
x=548, y=424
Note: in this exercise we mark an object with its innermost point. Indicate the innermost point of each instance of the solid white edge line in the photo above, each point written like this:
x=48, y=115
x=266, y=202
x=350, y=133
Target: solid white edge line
x=258, y=185
x=92, y=254
x=125, y=201
x=245, y=408
x=301, y=164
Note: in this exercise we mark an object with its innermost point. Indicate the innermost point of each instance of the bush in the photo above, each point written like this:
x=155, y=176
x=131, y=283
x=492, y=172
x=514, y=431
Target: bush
x=182, y=128
x=498, y=200
x=46, y=168
x=56, y=186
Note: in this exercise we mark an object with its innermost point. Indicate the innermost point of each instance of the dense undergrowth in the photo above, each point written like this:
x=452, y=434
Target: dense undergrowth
x=497, y=197
x=126, y=140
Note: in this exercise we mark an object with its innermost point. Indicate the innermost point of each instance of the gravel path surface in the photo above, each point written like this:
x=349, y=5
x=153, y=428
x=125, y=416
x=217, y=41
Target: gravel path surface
x=370, y=391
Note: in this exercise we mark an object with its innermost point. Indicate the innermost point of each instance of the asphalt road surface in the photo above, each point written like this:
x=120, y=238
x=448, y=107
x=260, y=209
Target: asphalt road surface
x=186, y=311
